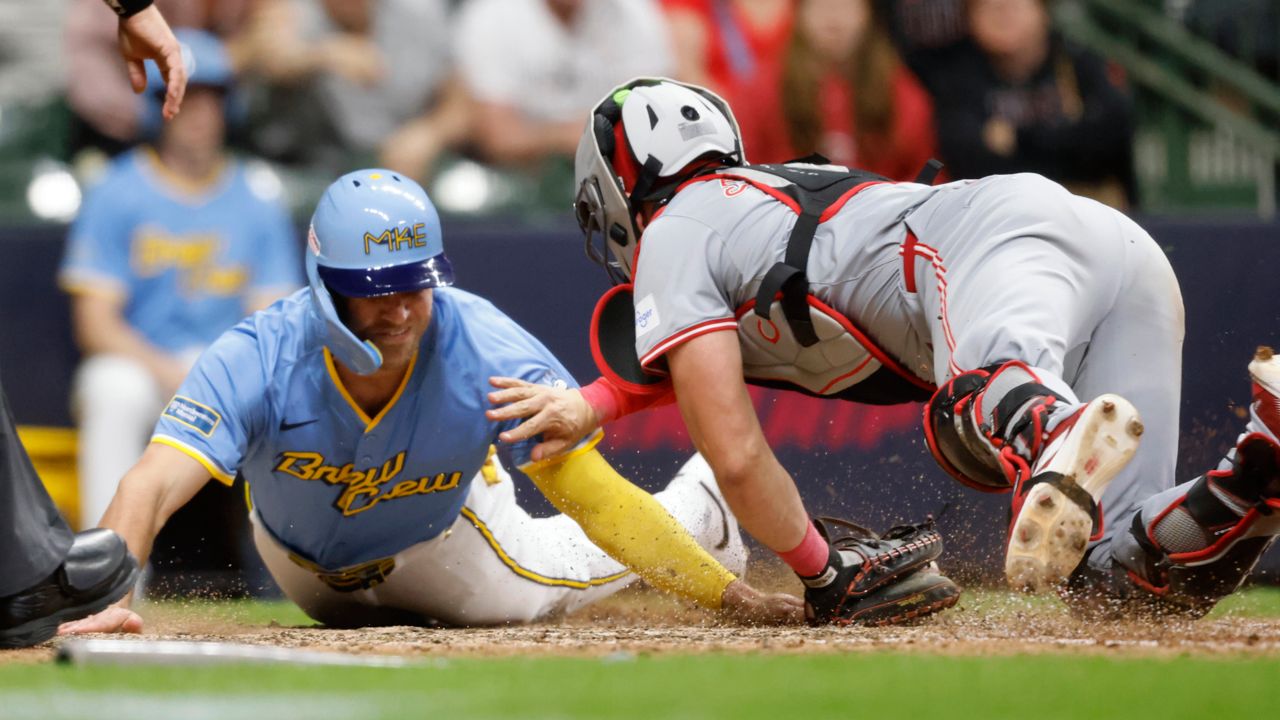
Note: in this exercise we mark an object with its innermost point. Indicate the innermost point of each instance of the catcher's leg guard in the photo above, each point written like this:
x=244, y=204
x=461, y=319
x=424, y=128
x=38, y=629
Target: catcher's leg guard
x=1185, y=554
x=880, y=579
x=1189, y=547
x=1001, y=428
x=986, y=426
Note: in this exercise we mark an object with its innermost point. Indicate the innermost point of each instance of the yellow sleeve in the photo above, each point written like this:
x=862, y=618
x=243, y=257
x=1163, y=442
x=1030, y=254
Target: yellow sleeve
x=630, y=525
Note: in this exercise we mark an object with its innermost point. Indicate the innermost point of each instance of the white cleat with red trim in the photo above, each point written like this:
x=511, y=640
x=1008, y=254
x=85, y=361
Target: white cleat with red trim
x=1055, y=507
x=1265, y=373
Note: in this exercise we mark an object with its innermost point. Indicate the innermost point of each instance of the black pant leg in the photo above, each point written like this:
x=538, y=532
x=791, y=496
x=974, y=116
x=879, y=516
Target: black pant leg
x=34, y=539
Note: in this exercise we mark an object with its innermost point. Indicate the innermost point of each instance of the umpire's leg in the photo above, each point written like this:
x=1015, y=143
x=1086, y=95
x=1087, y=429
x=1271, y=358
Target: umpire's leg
x=34, y=540
x=48, y=576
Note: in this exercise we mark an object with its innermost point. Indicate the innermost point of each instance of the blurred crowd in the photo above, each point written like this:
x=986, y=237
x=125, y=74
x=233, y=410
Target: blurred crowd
x=986, y=86
x=179, y=238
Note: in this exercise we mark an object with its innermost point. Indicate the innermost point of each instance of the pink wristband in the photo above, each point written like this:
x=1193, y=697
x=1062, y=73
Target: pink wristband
x=808, y=558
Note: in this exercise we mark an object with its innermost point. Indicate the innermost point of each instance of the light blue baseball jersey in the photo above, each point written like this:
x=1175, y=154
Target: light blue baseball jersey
x=184, y=260
x=331, y=484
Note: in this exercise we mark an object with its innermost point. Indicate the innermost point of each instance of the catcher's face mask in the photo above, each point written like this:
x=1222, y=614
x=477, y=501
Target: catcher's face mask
x=670, y=125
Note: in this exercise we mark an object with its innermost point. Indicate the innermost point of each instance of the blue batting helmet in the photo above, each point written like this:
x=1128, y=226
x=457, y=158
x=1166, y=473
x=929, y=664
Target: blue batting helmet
x=208, y=65
x=374, y=232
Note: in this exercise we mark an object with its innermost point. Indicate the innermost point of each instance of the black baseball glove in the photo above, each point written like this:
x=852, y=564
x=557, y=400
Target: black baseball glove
x=885, y=579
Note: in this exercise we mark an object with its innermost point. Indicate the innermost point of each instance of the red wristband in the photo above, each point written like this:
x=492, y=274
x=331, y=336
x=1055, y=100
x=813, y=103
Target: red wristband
x=600, y=396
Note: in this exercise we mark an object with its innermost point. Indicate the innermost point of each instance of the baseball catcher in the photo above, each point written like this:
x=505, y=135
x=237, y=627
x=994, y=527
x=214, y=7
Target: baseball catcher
x=1043, y=332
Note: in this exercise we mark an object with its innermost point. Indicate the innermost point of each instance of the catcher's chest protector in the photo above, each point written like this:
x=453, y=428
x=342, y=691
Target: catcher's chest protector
x=789, y=338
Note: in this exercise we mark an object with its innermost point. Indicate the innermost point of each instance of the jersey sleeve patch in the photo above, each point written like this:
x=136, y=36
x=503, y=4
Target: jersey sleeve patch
x=197, y=416
x=647, y=319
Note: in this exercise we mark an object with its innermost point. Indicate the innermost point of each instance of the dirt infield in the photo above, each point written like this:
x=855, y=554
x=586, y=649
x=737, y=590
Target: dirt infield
x=642, y=622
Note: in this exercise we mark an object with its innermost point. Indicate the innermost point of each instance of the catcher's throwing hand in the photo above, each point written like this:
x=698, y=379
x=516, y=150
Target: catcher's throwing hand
x=115, y=619
x=744, y=604
x=146, y=36
x=560, y=415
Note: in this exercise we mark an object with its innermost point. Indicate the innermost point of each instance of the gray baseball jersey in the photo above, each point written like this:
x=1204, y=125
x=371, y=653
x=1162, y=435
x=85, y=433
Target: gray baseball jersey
x=946, y=279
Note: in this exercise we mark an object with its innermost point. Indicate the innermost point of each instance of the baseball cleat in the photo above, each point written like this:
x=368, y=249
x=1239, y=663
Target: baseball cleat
x=1265, y=373
x=1056, y=513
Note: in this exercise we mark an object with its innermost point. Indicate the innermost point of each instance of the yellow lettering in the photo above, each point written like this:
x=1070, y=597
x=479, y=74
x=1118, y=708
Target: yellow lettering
x=306, y=471
x=364, y=488
x=386, y=238
x=346, y=501
x=403, y=238
x=419, y=235
x=404, y=488
x=327, y=473
x=442, y=484
x=392, y=467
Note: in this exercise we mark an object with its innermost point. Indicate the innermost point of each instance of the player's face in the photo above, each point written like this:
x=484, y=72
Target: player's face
x=200, y=127
x=395, y=323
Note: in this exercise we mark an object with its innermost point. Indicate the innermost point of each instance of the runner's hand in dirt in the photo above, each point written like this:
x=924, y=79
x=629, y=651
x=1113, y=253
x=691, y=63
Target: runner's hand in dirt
x=560, y=415
x=744, y=604
x=115, y=619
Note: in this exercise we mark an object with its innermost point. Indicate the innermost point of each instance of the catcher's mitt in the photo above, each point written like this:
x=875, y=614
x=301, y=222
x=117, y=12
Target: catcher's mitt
x=885, y=579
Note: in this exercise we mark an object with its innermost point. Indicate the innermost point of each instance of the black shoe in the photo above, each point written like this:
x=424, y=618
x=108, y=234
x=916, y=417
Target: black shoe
x=97, y=572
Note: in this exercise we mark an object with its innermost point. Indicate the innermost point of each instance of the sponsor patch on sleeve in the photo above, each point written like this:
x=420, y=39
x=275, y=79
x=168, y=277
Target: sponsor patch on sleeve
x=646, y=315
x=197, y=416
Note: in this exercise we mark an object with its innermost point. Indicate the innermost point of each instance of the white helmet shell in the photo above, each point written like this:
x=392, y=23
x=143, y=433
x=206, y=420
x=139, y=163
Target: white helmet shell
x=676, y=125
x=667, y=126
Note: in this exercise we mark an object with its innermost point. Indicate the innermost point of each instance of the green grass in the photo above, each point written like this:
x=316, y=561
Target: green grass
x=755, y=686
x=1253, y=603
x=771, y=687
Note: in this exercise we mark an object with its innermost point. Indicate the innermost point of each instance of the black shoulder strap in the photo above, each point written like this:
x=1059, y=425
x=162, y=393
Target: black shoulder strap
x=929, y=172
x=816, y=190
x=789, y=278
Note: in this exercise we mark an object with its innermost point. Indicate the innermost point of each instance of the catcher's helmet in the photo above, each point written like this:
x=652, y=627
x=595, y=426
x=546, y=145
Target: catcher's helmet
x=641, y=140
x=374, y=232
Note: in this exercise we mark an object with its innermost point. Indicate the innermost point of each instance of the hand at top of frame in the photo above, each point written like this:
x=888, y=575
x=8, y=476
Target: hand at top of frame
x=146, y=36
x=560, y=415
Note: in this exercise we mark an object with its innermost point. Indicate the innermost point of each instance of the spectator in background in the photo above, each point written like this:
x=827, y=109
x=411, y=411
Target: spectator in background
x=174, y=246
x=840, y=91
x=363, y=78
x=926, y=32
x=726, y=45
x=1022, y=100
x=110, y=116
x=534, y=68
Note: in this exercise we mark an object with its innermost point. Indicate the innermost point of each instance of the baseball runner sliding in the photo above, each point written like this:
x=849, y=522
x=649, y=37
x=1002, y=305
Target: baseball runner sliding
x=354, y=409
